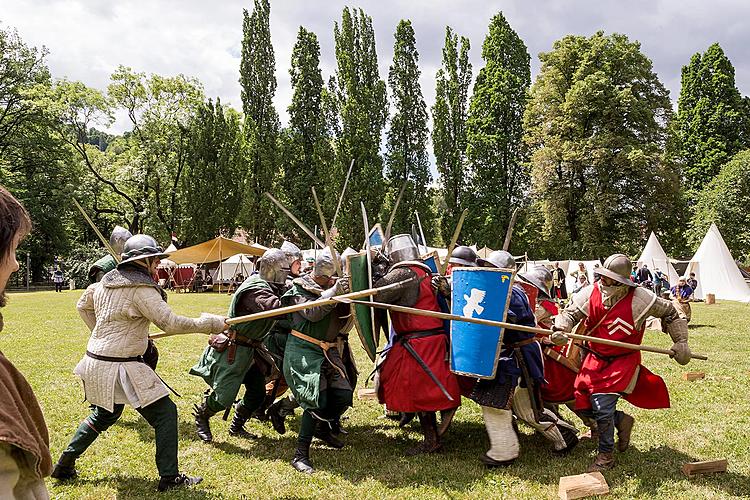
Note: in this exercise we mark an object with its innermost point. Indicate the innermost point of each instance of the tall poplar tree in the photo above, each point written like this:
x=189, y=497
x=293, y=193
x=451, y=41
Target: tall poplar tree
x=712, y=118
x=360, y=97
x=258, y=83
x=449, y=115
x=306, y=143
x=494, y=134
x=406, y=149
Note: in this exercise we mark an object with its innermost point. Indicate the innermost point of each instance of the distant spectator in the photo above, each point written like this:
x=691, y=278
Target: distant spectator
x=644, y=275
x=597, y=276
x=581, y=283
x=58, y=277
x=680, y=295
x=660, y=281
x=692, y=282
x=634, y=274
x=559, y=289
x=581, y=270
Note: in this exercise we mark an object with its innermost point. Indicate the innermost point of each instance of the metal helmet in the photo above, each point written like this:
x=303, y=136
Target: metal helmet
x=324, y=266
x=499, y=258
x=618, y=268
x=292, y=251
x=346, y=253
x=272, y=266
x=139, y=247
x=118, y=238
x=463, y=256
x=401, y=248
x=540, y=277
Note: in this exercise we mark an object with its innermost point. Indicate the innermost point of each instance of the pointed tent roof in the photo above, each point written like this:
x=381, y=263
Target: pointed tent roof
x=214, y=250
x=716, y=270
x=654, y=257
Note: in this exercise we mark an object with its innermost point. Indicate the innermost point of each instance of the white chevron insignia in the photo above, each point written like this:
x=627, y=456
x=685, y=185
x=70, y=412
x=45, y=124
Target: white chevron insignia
x=620, y=324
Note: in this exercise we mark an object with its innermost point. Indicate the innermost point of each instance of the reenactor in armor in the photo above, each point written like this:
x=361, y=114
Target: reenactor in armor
x=414, y=376
x=616, y=308
x=239, y=357
x=104, y=265
x=315, y=357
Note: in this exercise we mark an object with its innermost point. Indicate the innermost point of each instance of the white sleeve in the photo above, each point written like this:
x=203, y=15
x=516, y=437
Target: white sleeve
x=150, y=304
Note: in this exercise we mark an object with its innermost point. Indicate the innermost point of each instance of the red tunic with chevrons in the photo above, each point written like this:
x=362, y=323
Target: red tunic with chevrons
x=613, y=370
x=404, y=386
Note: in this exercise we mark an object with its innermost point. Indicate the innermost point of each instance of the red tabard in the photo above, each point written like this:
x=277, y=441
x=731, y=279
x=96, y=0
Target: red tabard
x=599, y=376
x=559, y=379
x=404, y=386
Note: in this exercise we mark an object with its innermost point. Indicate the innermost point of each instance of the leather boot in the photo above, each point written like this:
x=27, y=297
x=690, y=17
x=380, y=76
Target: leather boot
x=491, y=463
x=65, y=469
x=323, y=432
x=571, y=440
x=624, y=430
x=180, y=480
x=431, y=442
x=202, y=414
x=406, y=418
x=446, y=417
x=277, y=419
x=237, y=427
x=301, y=460
x=603, y=461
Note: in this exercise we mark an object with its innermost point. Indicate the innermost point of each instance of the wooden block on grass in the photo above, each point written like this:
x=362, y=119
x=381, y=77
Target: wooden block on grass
x=708, y=467
x=367, y=393
x=693, y=376
x=582, y=485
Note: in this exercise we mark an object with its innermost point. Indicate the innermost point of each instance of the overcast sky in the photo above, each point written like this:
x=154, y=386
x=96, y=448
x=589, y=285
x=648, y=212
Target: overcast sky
x=88, y=39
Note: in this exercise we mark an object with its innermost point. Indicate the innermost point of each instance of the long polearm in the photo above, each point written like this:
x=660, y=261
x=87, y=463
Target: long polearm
x=520, y=328
x=393, y=212
x=460, y=224
x=96, y=230
x=296, y=220
x=509, y=232
x=341, y=196
x=329, y=241
x=299, y=307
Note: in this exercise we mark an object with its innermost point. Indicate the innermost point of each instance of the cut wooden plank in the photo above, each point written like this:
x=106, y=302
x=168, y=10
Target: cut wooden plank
x=693, y=376
x=582, y=485
x=693, y=469
x=367, y=393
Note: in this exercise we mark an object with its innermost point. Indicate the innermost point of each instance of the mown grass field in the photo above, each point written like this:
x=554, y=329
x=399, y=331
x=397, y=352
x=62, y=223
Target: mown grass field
x=709, y=419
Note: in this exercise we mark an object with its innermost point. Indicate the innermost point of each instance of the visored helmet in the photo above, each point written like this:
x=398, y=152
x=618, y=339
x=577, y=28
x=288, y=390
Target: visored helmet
x=140, y=247
x=618, y=268
x=500, y=259
x=401, y=248
x=463, y=256
x=118, y=238
x=272, y=266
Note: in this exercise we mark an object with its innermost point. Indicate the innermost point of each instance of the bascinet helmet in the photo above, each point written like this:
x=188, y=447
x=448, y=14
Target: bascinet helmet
x=401, y=248
x=540, y=277
x=118, y=238
x=324, y=266
x=140, y=247
x=272, y=266
x=292, y=251
x=618, y=268
x=463, y=256
x=499, y=258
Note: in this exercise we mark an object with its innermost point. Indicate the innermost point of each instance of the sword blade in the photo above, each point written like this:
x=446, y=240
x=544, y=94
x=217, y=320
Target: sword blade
x=295, y=220
x=460, y=224
x=96, y=230
x=423, y=365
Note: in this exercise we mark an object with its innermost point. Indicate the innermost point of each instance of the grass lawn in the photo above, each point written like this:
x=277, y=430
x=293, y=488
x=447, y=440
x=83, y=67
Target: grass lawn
x=709, y=419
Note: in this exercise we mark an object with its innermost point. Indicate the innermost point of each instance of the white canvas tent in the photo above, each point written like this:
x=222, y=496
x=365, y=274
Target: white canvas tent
x=236, y=264
x=716, y=270
x=655, y=257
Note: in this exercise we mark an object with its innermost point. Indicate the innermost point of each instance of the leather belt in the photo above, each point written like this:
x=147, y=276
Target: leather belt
x=324, y=346
x=520, y=344
x=131, y=359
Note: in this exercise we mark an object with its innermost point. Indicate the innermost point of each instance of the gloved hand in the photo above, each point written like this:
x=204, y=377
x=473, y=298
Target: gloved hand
x=342, y=285
x=559, y=338
x=681, y=352
x=441, y=285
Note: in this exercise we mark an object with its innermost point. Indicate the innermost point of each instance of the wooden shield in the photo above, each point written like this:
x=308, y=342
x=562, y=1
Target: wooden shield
x=432, y=261
x=357, y=269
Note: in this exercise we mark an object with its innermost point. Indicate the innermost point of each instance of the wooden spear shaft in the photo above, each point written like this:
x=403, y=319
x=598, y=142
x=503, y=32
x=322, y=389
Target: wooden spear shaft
x=298, y=307
x=520, y=328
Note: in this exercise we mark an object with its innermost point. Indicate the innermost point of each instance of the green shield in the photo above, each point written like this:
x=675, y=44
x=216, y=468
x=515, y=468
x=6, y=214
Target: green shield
x=364, y=321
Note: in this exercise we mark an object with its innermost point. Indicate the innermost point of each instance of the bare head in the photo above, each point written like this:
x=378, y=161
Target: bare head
x=15, y=224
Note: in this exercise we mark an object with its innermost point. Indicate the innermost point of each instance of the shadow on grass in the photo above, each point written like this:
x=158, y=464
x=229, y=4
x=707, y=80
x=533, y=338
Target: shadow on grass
x=138, y=487
x=694, y=326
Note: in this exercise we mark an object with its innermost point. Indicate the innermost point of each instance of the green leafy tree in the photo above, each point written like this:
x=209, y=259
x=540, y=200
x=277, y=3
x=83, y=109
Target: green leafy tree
x=258, y=82
x=494, y=134
x=449, y=114
x=712, y=117
x=306, y=142
x=724, y=201
x=212, y=187
x=597, y=124
x=361, y=101
x=406, y=149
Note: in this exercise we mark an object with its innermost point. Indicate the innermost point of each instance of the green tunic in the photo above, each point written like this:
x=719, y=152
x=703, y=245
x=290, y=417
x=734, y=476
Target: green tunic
x=103, y=266
x=303, y=361
x=224, y=378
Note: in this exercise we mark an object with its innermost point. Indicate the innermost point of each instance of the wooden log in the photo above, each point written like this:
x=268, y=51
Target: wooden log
x=693, y=376
x=367, y=393
x=710, y=299
x=693, y=469
x=582, y=485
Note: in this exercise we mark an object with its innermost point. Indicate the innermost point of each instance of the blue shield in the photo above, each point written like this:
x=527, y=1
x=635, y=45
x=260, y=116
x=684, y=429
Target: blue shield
x=482, y=293
x=431, y=260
